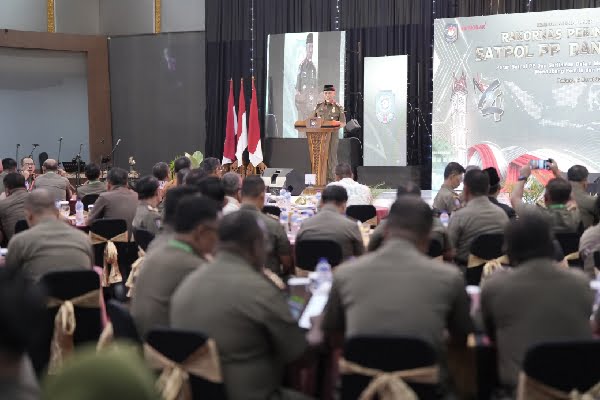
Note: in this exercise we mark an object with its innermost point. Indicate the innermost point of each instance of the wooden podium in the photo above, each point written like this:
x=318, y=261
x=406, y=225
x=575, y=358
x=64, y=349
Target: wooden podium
x=318, y=134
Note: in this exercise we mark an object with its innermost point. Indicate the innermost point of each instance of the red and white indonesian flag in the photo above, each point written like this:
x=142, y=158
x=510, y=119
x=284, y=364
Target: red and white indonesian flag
x=241, y=132
x=230, y=128
x=254, y=144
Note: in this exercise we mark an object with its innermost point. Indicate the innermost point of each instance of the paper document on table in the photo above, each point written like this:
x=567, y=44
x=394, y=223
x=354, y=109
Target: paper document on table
x=314, y=308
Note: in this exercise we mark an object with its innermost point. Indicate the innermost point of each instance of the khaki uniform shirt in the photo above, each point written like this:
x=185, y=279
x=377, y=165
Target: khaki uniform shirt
x=536, y=302
x=161, y=272
x=279, y=242
x=478, y=217
x=438, y=232
x=589, y=243
x=397, y=291
x=446, y=200
x=11, y=211
x=329, y=224
x=330, y=112
x=560, y=218
x=249, y=319
x=147, y=218
x=119, y=203
x=91, y=187
x=54, y=183
x=587, y=206
x=51, y=245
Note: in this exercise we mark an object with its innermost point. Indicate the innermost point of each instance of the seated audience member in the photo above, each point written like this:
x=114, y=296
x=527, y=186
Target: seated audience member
x=212, y=167
x=212, y=187
x=166, y=266
x=8, y=165
x=182, y=163
x=11, y=208
x=537, y=301
x=230, y=300
x=588, y=245
x=119, y=202
x=181, y=175
x=93, y=185
x=194, y=177
x=357, y=194
x=160, y=171
x=331, y=223
x=171, y=202
x=49, y=244
x=118, y=373
x=447, y=199
x=21, y=309
x=586, y=204
x=51, y=180
x=147, y=216
x=495, y=188
x=232, y=185
x=478, y=217
x=438, y=231
x=557, y=195
x=28, y=171
x=398, y=290
x=279, y=259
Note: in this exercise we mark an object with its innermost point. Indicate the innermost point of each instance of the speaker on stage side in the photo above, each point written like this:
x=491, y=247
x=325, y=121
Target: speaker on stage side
x=287, y=178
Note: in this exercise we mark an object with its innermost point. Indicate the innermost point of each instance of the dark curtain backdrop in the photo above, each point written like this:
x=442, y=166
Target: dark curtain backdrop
x=374, y=28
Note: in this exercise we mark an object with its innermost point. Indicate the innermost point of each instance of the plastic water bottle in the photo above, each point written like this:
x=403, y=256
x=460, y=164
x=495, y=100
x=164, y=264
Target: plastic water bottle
x=318, y=197
x=324, y=275
x=79, y=213
x=284, y=221
x=282, y=199
x=288, y=200
x=444, y=218
x=295, y=224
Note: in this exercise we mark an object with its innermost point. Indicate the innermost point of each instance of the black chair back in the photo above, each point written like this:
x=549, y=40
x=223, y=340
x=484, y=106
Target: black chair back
x=361, y=213
x=273, y=210
x=436, y=249
x=569, y=243
x=564, y=365
x=66, y=285
x=122, y=322
x=387, y=354
x=21, y=226
x=128, y=253
x=309, y=252
x=178, y=345
x=143, y=238
x=488, y=247
x=89, y=199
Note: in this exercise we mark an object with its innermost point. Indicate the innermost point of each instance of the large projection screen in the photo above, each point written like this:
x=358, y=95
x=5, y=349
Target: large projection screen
x=508, y=89
x=298, y=66
x=385, y=111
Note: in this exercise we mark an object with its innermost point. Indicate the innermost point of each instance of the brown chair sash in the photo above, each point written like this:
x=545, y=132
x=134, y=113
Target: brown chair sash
x=489, y=266
x=135, y=270
x=111, y=257
x=64, y=325
x=173, y=383
x=531, y=389
x=390, y=385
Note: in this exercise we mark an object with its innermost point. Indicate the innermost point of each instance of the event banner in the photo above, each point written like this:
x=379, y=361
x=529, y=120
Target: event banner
x=298, y=66
x=512, y=88
x=384, y=119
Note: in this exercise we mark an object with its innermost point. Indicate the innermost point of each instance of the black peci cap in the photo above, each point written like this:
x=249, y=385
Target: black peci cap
x=329, y=88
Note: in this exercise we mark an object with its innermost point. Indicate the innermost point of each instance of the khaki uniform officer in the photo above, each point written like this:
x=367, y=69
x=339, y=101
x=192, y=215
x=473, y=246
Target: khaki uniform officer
x=57, y=185
x=147, y=218
x=232, y=302
x=329, y=111
x=279, y=259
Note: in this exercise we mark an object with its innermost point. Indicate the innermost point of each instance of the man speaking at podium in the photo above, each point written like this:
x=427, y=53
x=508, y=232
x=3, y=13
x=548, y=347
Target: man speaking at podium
x=330, y=111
